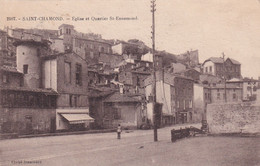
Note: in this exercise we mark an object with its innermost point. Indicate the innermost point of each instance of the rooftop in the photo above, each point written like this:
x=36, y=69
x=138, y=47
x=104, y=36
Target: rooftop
x=25, y=89
x=117, y=98
x=10, y=69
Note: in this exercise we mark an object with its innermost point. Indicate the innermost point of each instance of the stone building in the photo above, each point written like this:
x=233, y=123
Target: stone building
x=175, y=93
x=69, y=71
x=7, y=49
x=217, y=67
x=26, y=107
x=250, y=88
x=124, y=110
x=233, y=93
x=190, y=58
x=46, y=92
x=191, y=73
x=202, y=97
x=91, y=49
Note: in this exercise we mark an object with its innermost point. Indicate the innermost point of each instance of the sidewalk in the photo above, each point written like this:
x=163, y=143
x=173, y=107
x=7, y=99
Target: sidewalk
x=15, y=135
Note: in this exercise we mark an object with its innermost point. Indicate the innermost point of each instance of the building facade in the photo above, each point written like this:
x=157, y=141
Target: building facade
x=229, y=68
x=175, y=93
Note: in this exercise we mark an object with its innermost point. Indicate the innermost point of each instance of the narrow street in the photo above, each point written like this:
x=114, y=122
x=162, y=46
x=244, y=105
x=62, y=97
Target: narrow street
x=135, y=148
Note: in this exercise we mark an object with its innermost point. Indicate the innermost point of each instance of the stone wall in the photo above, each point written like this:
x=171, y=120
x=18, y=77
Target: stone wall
x=27, y=120
x=233, y=118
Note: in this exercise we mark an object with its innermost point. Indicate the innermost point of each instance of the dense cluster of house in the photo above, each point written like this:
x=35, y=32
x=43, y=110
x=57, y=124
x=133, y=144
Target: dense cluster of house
x=54, y=80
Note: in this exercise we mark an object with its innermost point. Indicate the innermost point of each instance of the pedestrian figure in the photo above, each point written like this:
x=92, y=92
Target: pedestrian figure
x=119, y=131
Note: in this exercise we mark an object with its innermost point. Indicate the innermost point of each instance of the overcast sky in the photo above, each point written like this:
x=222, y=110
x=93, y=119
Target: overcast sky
x=212, y=27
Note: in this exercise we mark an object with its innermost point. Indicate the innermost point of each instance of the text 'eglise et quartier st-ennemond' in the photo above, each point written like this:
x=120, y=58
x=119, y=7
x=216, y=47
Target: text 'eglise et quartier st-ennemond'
x=112, y=18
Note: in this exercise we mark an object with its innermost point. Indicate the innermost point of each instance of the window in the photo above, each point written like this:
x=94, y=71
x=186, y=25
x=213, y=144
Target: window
x=28, y=118
x=210, y=69
x=67, y=72
x=75, y=101
x=218, y=95
x=206, y=69
x=234, y=96
x=25, y=69
x=102, y=49
x=60, y=31
x=92, y=55
x=138, y=81
x=5, y=78
x=190, y=104
x=78, y=74
x=71, y=105
x=117, y=113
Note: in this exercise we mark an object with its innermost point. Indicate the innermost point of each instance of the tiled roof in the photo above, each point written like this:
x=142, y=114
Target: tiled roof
x=234, y=61
x=216, y=60
x=37, y=90
x=228, y=86
x=168, y=78
x=117, y=98
x=10, y=69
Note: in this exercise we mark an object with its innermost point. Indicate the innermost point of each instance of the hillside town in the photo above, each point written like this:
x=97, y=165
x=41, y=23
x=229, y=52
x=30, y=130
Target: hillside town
x=64, y=80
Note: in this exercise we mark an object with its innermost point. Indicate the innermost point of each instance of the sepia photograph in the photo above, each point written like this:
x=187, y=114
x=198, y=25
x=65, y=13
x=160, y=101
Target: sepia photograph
x=130, y=82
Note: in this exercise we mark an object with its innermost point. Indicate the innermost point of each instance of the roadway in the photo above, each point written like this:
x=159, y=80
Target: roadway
x=135, y=148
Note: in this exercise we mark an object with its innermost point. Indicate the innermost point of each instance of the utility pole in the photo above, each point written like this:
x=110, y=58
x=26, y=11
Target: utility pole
x=154, y=72
x=224, y=75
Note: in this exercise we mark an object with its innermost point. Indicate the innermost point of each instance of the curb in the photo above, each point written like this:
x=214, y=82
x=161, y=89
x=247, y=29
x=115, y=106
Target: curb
x=16, y=136
x=234, y=134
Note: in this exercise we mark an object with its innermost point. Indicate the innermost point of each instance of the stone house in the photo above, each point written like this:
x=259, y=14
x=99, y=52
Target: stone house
x=233, y=93
x=53, y=84
x=124, y=110
x=69, y=71
x=25, y=106
x=191, y=73
x=202, y=97
x=175, y=93
x=217, y=67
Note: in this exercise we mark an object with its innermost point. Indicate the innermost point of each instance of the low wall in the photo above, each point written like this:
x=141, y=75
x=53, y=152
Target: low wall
x=233, y=118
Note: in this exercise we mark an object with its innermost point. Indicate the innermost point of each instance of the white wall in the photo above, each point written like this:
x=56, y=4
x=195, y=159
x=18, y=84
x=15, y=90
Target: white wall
x=150, y=111
x=117, y=49
x=208, y=64
x=147, y=57
x=163, y=95
x=198, y=96
x=50, y=74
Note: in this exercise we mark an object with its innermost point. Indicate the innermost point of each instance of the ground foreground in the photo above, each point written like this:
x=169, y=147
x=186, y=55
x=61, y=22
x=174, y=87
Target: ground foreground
x=135, y=148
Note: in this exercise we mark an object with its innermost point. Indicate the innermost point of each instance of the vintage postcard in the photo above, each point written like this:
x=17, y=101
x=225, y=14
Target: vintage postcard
x=130, y=82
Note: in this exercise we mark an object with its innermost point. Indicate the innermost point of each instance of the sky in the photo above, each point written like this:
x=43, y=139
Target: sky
x=212, y=27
